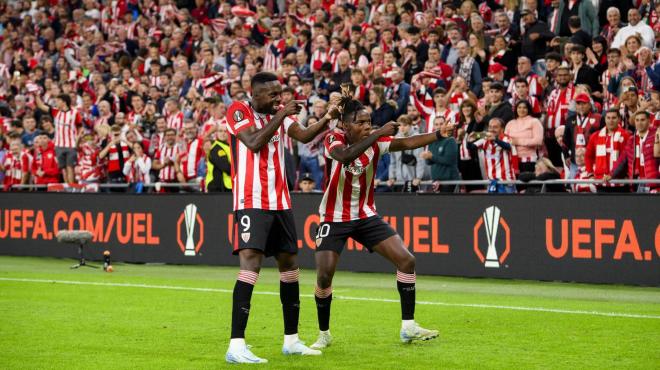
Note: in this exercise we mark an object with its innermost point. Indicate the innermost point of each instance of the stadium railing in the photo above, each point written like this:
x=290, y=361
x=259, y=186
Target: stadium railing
x=457, y=183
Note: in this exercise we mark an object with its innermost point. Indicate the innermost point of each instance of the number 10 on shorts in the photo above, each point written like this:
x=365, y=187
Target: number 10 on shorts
x=323, y=231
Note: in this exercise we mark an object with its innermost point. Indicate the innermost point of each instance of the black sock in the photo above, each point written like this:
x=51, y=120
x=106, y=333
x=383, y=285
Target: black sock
x=405, y=284
x=241, y=308
x=290, y=298
x=323, y=311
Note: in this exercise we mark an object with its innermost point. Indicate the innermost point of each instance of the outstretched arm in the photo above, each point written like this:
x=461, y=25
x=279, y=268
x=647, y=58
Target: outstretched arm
x=307, y=134
x=347, y=154
x=413, y=142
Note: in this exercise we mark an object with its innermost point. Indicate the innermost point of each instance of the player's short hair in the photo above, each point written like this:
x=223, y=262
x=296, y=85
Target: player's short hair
x=168, y=130
x=262, y=78
x=643, y=113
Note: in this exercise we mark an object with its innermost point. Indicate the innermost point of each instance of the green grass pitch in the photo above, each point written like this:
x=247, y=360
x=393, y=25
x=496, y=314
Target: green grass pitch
x=178, y=317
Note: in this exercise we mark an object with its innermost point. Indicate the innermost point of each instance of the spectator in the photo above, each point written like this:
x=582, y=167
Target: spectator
x=604, y=149
x=442, y=156
x=405, y=165
x=579, y=128
x=543, y=170
x=167, y=160
x=635, y=26
x=117, y=152
x=44, y=167
x=66, y=121
x=30, y=131
x=585, y=13
x=582, y=72
x=137, y=167
x=310, y=154
x=399, y=91
x=526, y=134
x=192, y=151
x=498, y=154
x=218, y=163
x=638, y=160
x=582, y=174
x=468, y=68
x=499, y=108
x=383, y=111
x=613, y=25
x=306, y=183
x=88, y=169
x=468, y=158
x=535, y=37
x=17, y=164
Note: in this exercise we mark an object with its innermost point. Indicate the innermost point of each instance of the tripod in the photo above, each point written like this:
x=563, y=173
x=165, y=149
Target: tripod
x=81, y=258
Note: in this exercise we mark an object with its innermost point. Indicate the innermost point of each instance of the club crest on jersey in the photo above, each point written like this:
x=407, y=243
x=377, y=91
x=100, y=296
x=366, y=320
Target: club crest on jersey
x=319, y=241
x=274, y=139
x=245, y=237
x=354, y=170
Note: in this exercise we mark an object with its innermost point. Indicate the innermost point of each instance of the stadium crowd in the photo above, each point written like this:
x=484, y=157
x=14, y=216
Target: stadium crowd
x=135, y=91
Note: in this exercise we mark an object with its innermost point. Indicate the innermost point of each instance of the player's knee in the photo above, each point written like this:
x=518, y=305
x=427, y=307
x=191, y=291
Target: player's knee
x=324, y=279
x=407, y=264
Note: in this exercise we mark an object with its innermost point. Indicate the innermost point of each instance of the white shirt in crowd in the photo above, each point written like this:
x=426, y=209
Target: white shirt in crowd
x=643, y=29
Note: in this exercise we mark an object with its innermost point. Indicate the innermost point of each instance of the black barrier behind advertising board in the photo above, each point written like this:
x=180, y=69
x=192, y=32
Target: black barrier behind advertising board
x=590, y=238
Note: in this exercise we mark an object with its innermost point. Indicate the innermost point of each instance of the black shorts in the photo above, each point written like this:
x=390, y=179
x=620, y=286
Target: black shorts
x=332, y=236
x=66, y=157
x=271, y=232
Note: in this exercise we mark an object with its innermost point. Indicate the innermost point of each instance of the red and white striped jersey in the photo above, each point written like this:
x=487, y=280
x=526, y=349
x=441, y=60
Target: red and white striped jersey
x=193, y=154
x=211, y=123
x=175, y=121
x=66, y=127
x=500, y=164
x=533, y=101
x=15, y=167
x=535, y=88
x=259, y=178
x=349, y=194
x=557, y=106
x=103, y=120
x=114, y=164
x=318, y=58
x=274, y=52
x=583, y=174
x=167, y=173
x=87, y=168
x=450, y=116
x=138, y=170
x=155, y=81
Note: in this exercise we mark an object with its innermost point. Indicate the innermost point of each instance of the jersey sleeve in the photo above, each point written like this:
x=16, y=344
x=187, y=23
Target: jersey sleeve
x=384, y=144
x=480, y=143
x=288, y=121
x=54, y=112
x=332, y=140
x=239, y=118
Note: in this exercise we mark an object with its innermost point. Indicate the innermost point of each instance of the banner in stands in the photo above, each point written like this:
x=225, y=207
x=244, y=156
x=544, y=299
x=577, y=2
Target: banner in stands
x=590, y=238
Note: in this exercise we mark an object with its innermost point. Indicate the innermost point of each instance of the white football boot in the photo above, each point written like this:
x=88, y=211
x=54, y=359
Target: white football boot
x=415, y=332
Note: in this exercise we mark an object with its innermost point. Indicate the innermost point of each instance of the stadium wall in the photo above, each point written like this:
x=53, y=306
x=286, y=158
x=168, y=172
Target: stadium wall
x=588, y=238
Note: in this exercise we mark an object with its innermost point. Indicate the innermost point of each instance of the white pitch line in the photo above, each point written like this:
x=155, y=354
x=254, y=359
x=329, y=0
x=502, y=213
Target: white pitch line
x=348, y=298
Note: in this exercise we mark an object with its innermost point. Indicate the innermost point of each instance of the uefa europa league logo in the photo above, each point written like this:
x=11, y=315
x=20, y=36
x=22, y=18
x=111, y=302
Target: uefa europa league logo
x=190, y=213
x=491, y=218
